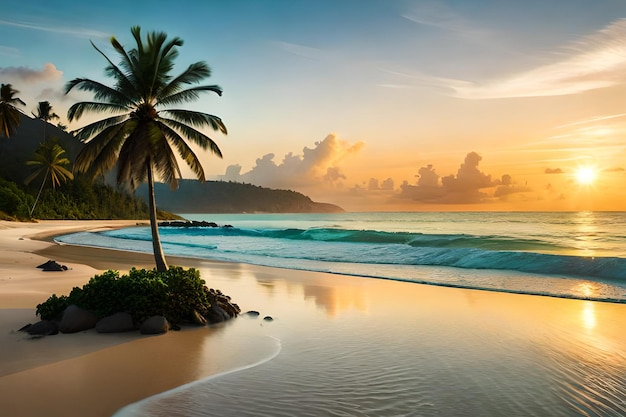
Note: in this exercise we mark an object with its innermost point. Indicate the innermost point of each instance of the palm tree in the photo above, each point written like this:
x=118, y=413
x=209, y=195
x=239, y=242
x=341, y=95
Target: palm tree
x=45, y=113
x=52, y=164
x=9, y=114
x=141, y=134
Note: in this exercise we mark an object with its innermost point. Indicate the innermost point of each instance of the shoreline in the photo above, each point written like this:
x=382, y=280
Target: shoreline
x=103, y=373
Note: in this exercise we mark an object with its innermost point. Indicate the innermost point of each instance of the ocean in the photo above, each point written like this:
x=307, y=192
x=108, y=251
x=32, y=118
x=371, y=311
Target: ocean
x=357, y=346
x=578, y=255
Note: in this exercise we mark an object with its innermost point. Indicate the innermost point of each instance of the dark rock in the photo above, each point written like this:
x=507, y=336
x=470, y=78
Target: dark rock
x=199, y=319
x=116, y=323
x=268, y=318
x=23, y=328
x=42, y=328
x=216, y=314
x=51, y=265
x=154, y=325
x=252, y=313
x=174, y=327
x=221, y=307
x=75, y=319
x=47, y=263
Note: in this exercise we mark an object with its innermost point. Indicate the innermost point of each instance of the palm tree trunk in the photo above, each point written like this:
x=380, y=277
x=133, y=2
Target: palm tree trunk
x=38, y=194
x=159, y=257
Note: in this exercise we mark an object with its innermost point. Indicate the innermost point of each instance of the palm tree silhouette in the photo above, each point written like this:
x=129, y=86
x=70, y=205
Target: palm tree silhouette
x=9, y=114
x=45, y=113
x=143, y=131
x=51, y=162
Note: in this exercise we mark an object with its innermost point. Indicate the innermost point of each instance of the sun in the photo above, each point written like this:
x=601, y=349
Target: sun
x=585, y=175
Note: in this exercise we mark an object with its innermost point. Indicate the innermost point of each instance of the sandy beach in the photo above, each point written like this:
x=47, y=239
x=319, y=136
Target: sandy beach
x=89, y=374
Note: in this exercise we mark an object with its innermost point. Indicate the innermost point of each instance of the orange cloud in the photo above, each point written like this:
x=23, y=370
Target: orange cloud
x=316, y=166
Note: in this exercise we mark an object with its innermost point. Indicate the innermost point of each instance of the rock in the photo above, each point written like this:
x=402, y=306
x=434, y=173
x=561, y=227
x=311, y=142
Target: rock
x=199, y=319
x=252, y=313
x=216, y=314
x=42, y=328
x=116, y=323
x=154, y=325
x=52, y=266
x=221, y=307
x=75, y=319
x=268, y=318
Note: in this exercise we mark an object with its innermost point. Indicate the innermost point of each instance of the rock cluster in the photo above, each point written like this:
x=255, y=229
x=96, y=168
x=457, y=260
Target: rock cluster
x=193, y=223
x=75, y=319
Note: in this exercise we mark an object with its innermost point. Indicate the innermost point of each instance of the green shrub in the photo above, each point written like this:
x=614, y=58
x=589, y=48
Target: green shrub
x=175, y=294
x=52, y=308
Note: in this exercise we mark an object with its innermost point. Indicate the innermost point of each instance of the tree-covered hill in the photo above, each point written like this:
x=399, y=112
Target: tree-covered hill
x=83, y=199
x=232, y=197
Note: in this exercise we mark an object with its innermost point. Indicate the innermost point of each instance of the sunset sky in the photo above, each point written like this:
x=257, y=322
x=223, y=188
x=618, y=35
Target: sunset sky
x=375, y=104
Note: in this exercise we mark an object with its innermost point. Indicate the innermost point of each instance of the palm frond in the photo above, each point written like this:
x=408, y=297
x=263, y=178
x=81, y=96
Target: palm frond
x=95, y=128
x=102, y=92
x=197, y=119
x=163, y=159
x=124, y=83
x=193, y=74
x=188, y=94
x=101, y=152
x=76, y=110
x=185, y=152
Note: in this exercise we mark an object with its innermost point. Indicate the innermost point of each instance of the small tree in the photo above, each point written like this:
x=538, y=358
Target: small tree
x=9, y=114
x=51, y=162
x=44, y=112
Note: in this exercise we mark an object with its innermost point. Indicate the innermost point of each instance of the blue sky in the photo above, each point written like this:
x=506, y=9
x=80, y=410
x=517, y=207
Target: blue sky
x=347, y=100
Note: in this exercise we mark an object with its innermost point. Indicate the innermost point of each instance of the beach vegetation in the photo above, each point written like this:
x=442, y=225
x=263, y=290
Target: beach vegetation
x=9, y=113
x=142, y=132
x=177, y=294
x=15, y=203
x=49, y=160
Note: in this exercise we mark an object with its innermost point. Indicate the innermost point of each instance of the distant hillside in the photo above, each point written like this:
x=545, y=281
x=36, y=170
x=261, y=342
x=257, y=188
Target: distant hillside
x=230, y=197
x=20, y=147
x=191, y=197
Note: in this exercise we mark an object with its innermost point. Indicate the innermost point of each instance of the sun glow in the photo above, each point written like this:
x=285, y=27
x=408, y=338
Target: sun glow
x=585, y=175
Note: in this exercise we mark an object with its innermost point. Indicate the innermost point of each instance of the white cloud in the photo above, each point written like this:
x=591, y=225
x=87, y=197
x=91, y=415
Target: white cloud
x=49, y=72
x=75, y=31
x=597, y=61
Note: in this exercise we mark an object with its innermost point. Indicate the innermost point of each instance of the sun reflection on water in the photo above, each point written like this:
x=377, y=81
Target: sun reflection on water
x=588, y=315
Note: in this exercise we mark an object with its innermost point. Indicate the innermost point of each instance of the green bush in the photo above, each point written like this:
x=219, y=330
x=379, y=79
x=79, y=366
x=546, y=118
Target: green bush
x=52, y=308
x=175, y=294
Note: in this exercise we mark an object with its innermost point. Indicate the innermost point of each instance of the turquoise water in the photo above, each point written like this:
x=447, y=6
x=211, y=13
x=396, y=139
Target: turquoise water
x=571, y=255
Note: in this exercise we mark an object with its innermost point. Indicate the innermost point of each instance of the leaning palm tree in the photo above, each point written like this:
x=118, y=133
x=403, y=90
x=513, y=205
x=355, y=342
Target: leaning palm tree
x=51, y=162
x=44, y=112
x=143, y=130
x=9, y=114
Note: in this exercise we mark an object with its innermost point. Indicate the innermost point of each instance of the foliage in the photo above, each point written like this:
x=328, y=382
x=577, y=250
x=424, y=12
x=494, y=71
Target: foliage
x=9, y=114
x=14, y=202
x=44, y=112
x=141, y=133
x=50, y=160
x=175, y=294
x=53, y=307
x=79, y=199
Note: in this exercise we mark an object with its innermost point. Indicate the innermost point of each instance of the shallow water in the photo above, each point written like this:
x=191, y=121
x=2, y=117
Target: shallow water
x=355, y=347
